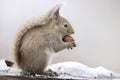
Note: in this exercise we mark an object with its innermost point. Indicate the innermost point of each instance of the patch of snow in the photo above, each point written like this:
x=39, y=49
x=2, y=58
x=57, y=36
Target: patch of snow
x=3, y=65
x=76, y=69
x=5, y=70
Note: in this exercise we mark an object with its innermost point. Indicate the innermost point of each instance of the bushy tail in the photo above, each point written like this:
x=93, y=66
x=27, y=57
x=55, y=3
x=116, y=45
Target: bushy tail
x=17, y=44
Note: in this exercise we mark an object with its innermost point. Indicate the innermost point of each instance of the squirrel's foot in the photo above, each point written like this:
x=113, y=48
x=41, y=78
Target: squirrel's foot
x=50, y=73
x=27, y=74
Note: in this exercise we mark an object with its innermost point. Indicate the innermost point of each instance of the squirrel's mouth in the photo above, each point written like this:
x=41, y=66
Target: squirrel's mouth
x=68, y=38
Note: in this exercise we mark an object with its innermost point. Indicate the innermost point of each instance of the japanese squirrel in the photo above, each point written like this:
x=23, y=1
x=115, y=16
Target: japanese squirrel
x=38, y=39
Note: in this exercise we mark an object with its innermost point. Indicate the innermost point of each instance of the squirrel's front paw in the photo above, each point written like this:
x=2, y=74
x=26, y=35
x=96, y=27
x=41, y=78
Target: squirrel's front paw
x=70, y=45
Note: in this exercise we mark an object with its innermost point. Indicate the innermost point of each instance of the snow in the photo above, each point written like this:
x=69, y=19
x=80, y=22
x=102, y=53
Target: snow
x=76, y=69
x=3, y=65
x=5, y=70
x=69, y=70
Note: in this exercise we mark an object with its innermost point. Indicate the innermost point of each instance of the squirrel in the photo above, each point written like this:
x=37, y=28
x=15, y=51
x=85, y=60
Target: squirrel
x=40, y=38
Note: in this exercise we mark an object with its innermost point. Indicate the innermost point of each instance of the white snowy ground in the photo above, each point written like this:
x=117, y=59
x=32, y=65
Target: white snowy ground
x=78, y=70
x=69, y=70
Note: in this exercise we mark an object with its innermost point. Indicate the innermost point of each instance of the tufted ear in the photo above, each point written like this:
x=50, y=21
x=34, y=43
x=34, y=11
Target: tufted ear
x=54, y=12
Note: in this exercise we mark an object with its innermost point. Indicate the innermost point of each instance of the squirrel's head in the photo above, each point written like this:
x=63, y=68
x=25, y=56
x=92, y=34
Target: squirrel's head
x=61, y=25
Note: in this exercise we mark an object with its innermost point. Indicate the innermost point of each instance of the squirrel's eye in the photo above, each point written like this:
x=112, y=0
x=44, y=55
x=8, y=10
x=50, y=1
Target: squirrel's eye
x=66, y=25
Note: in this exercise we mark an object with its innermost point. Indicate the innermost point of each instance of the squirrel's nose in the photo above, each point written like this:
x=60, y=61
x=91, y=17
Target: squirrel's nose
x=73, y=32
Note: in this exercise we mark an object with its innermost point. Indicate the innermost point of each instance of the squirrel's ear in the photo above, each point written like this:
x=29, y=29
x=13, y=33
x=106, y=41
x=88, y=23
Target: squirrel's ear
x=54, y=12
x=56, y=15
